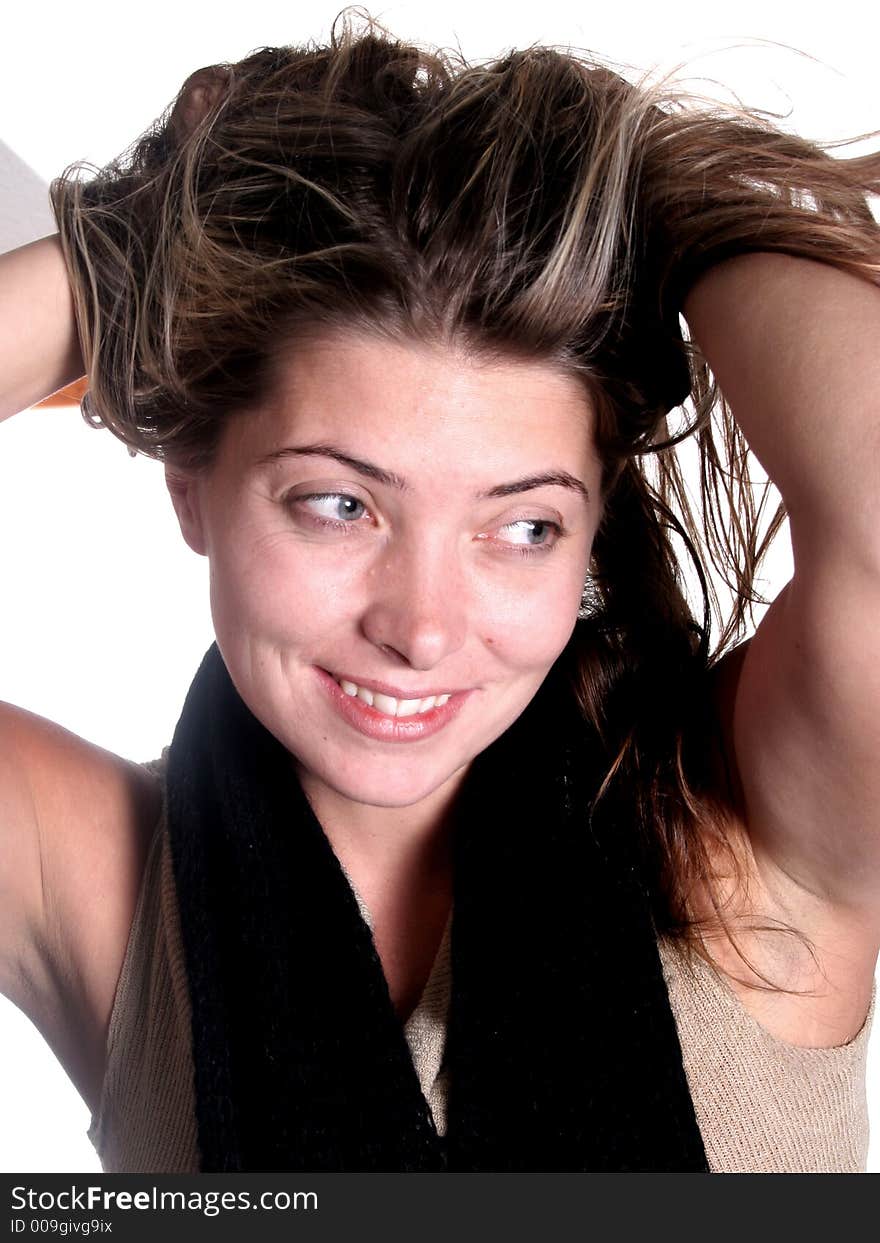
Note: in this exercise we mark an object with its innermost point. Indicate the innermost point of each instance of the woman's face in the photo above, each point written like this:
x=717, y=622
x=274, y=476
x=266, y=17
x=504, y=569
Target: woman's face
x=399, y=523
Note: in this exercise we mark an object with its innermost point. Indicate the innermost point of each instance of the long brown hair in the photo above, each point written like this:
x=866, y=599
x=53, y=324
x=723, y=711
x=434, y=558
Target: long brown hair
x=539, y=205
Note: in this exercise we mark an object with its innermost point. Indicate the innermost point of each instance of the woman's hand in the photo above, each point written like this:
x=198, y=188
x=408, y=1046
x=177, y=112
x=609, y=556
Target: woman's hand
x=198, y=96
x=39, y=347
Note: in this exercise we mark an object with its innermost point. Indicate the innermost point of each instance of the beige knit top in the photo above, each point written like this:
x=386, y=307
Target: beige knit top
x=763, y=1106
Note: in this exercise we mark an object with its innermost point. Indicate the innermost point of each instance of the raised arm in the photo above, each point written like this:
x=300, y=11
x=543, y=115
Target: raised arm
x=39, y=349
x=794, y=344
x=74, y=819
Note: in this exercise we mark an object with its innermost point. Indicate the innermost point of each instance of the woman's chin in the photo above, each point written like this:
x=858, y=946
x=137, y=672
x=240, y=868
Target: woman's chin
x=379, y=788
x=387, y=794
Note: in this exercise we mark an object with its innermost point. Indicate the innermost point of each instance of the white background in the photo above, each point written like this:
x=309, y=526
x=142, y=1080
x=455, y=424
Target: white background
x=103, y=610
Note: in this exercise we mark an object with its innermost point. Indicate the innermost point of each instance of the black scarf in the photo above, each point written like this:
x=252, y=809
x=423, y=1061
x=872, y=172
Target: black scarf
x=561, y=1047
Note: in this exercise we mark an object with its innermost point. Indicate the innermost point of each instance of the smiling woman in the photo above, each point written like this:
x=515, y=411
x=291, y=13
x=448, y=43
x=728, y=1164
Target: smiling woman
x=471, y=850
x=413, y=561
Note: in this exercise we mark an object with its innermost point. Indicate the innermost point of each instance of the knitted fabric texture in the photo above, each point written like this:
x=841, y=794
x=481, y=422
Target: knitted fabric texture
x=761, y=1104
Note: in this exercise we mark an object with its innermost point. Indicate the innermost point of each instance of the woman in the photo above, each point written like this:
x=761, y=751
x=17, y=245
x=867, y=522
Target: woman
x=469, y=852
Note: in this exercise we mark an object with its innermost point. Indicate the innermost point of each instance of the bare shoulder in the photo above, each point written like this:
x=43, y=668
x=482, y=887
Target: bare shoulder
x=75, y=826
x=823, y=950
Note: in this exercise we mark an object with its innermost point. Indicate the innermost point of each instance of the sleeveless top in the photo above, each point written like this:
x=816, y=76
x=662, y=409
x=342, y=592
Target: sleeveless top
x=762, y=1105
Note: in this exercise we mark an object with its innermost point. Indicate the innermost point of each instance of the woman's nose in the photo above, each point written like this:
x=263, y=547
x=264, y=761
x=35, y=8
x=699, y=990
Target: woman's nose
x=417, y=603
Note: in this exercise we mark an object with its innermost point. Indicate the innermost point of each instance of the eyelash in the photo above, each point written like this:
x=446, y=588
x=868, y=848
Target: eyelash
x=345, y=528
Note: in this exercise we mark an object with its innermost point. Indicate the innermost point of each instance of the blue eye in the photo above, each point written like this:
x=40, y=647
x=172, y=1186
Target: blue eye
x=536, y=533
x=341, y=512
x=333, y=508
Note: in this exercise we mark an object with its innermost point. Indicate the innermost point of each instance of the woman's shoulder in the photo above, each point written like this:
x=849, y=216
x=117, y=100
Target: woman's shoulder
x=76, y=823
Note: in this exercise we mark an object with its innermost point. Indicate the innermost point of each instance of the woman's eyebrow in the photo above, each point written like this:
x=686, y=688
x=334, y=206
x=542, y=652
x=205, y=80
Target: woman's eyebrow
x=559, y=478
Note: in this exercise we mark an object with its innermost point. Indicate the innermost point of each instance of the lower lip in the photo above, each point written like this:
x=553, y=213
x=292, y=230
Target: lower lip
x=373, y=724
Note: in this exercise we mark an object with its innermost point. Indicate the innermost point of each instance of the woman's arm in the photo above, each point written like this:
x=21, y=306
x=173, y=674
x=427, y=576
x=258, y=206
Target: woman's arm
x=794, y=345
x=39, y=349
x=75, y=820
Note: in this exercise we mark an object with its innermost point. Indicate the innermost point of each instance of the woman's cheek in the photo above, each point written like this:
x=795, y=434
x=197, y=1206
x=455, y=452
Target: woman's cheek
x=299, y=594
x=531, y=627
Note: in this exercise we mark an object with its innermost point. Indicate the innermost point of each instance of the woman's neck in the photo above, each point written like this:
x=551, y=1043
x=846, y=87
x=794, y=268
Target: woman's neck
x=399, y=860
x=385, y=847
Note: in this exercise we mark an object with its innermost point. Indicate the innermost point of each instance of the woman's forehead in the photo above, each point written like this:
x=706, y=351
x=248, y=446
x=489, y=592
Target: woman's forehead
x=421, y=399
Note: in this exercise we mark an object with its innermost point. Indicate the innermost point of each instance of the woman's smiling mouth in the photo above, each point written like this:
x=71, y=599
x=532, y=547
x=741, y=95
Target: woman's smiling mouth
x=388, y=704
x=377, y=713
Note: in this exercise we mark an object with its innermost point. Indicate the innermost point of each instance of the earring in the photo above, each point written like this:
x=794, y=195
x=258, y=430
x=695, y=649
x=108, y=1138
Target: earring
x=590, y=599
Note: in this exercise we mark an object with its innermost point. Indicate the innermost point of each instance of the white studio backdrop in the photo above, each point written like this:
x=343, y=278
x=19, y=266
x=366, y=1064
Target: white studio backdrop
x=104, y=613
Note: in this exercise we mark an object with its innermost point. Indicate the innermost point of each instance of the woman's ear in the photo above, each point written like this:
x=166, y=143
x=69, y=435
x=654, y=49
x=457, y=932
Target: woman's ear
x=186, y=497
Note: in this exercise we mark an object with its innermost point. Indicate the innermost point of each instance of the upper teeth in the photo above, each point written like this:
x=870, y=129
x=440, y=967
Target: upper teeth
x=390, y=706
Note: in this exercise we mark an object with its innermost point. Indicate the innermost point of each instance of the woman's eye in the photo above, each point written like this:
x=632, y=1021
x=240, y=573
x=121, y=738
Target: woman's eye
x=532, y=533
x=340, y=510
x=332, y=508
